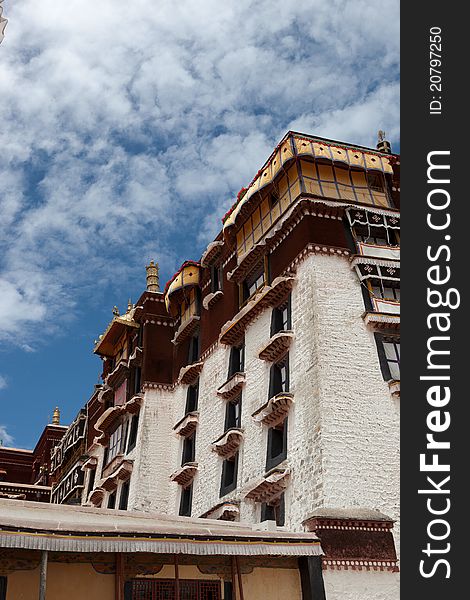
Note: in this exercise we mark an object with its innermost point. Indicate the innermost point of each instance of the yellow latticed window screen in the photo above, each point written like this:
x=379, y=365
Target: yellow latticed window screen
x=345, y=184
x=276, y=200
x=189, y=305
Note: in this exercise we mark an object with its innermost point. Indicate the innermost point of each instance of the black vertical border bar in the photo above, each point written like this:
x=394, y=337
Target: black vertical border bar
x=421, y=133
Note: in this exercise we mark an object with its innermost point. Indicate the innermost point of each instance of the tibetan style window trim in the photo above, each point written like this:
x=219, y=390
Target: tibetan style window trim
x=373, y=217
x=382, y=321
x=354, y=539
x=271, y=295
x=378, y=251
x=186, y=329
x=135, y=359
x=185, y=474
x=113, y=414
x=118, y=374
x=212, y=253
x=190, y=373
x=187, y=425
x=270, y=486
x=277, y=346
x=232, y=387
x=388, y=349
x=394, y=387
x=211, y=298
x=228, y=443
x=106, y=394
x=121, y=473
x=375, y=268
x=224, y=511
x=96, y=496
x=275, y=410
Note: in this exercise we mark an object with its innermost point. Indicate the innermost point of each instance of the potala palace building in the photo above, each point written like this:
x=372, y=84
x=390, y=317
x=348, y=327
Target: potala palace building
x=262, y=384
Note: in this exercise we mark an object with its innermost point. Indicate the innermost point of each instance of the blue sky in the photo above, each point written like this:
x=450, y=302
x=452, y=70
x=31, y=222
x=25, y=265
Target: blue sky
x=127, y=130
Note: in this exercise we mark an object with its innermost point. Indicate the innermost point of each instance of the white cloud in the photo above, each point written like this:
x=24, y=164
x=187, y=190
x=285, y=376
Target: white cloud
x=5, y=438
x=117, y=122
x=3, y=382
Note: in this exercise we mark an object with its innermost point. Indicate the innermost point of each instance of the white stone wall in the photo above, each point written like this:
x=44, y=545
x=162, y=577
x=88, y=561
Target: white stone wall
x=361, y=585
x=343, y=436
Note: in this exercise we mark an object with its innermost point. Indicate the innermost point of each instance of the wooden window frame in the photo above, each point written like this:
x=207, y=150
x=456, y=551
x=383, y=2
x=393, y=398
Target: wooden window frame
x=133, y=431
x=274, y=511
x=188, y=453
x=235, y=421
x=385, y=362
x=279, y=322
x=124, y=495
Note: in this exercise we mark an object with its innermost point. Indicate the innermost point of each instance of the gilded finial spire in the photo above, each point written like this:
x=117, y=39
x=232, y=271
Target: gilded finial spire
x=130, y=306
x=115, y=311
x=152, y=277
x=56, y=416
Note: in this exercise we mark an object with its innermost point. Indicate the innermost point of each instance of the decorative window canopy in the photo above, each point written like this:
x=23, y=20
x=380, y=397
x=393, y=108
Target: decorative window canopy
x=270, y=486
x=228, y=443
x=275, y=410
x=269, y=295
x=190, y=373
x=187, y=425
x=379, y=321
x=232, y=387
x=186, y=329
x=212, y=252
x=185, y=474
x=122, y=473
x=225, y=511
x=277, y=346
x=111, y=415
x=96, y=496
x=211, y=299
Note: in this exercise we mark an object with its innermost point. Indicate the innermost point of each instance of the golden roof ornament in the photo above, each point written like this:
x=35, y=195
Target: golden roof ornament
x=152, y=277
x=56, y=416
x=115, y=311
x=130, y=306
x=383, y=145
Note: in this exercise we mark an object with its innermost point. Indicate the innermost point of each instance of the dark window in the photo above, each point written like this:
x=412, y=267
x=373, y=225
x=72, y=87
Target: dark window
x=375, y=182
x=186, y=501
x=91, y=483
x=388, y=349
x=189, y=449
x=253, y=282
x=229, y=475
x=124, y=497
x=281, y=318
x=192, y=396
x=137, y=378
x=380, y=236
x=228, y=591
x=274, y=511
x=273, y=199
x=112, y=500
x=233, y=413
x=277, y=445
x=279, y=377
x=193, y=353
x=383, y=288
x=216, y=279
x=237, y=360
x=116, y=440
x=133, y=432
x=3, y=587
